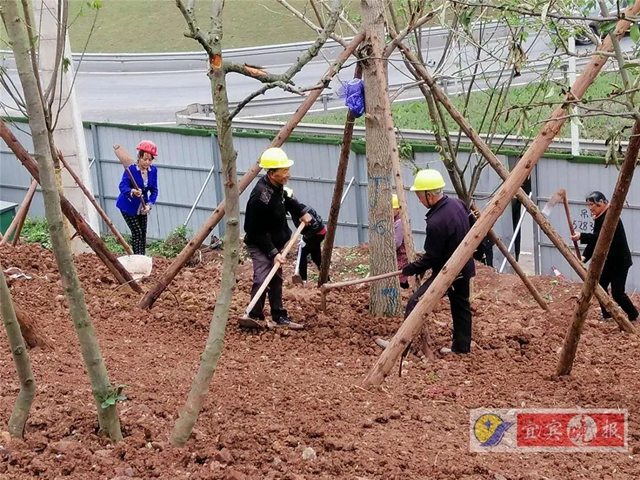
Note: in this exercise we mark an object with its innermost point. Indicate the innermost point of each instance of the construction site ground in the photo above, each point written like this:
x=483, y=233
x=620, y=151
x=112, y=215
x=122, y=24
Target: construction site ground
x=289, y=404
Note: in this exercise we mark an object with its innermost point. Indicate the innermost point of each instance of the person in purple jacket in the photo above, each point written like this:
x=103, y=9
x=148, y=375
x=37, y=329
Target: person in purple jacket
x=401, y=250
x=136, y=203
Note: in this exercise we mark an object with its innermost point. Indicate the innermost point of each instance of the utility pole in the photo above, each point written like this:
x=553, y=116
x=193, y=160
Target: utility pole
x=68, y=135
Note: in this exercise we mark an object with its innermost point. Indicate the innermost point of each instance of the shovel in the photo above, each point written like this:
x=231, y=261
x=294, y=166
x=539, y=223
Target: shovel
x=248, y=322
x=329, y=286
x=561, y=195
x=297, y=279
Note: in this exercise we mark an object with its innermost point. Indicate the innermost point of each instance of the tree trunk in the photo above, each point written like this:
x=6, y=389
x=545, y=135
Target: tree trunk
x=384, y=295
x=100, y=385
x=31, y=332
x=205, y=230
x=94, y=241
x=568, y=354
x=22, y=407
x=215, y=341
x=531, y=207
x=411, y=326
x=341, y=175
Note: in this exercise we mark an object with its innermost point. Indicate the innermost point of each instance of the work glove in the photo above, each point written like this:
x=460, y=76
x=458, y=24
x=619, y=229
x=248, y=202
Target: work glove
x=408, y=270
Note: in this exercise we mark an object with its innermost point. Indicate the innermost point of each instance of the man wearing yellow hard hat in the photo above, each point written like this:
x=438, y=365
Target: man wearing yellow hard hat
x=267, y=232
x=448, y=221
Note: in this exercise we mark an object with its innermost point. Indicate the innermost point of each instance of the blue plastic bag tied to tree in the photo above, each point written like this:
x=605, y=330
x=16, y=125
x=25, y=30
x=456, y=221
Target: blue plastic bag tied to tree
x=353, y=93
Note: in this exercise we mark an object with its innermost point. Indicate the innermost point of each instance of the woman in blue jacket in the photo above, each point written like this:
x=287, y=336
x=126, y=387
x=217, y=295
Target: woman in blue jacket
x=136, y=203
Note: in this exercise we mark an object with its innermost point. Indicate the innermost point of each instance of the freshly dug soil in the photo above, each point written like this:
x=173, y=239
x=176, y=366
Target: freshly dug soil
x=288, y=404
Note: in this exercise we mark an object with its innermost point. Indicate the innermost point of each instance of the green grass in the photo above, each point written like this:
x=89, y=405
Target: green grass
x=158, y=25
x=414, y=115
x=35, y=230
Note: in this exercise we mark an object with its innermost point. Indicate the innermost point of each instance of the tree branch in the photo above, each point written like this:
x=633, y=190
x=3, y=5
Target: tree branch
x=259, y=92
x=273, y=80
x=393, y=44
x=310, y=24
x=189, y=14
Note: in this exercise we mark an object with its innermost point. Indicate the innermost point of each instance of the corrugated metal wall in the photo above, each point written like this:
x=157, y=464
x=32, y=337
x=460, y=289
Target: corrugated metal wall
x=187, y=158
x=579, y=179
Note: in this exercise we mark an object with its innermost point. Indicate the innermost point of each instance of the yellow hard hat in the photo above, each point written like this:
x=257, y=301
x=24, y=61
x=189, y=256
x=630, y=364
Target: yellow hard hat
x=427, y=180
x=394, y=201
x=273, y=158
x=288, y=192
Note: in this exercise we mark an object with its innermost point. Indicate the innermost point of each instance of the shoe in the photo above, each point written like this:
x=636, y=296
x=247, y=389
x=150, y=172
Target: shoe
x=382, y=343
x=605, y=319
x=251, y=322
x=445, y=351
x=286, y=322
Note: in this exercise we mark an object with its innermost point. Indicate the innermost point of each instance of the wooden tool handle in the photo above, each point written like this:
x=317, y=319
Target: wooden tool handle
x=571, y=229
x=123, y=156
x=329, y=286
x=274, y=269
x=127, y=160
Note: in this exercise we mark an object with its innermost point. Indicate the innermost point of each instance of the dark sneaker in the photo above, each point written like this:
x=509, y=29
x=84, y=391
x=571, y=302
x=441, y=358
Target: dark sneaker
x=287, y=323
x=251, y=322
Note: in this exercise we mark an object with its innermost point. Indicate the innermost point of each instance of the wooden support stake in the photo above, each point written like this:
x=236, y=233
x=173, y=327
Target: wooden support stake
x=18, y=220
x=413, y=323
x=341, y=176
x=96, y=205
x=205, y=230
x=572, y=338
x=515, y=265
x=74, y=217
x=602, y=296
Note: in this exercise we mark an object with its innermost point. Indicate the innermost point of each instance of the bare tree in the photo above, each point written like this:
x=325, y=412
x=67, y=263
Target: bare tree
x=22, y=43
x=212, y=44
x=23, y=403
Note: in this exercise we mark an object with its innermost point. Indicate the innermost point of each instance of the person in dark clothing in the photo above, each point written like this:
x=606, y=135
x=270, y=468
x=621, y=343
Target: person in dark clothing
x=448, y=221
x=267, y=233
x=312, y=236
x=616, y=266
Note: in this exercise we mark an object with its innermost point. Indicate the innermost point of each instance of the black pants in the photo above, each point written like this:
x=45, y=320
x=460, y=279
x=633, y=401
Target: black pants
x=262, y=265
x=618, y=280
x=138, y=226
x=458, y=295
x=311, y=247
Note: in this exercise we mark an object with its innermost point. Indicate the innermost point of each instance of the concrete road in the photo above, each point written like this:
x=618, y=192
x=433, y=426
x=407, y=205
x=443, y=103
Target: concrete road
x=155, y=97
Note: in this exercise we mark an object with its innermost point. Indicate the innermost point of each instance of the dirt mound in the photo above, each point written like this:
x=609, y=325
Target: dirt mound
x=287, y=404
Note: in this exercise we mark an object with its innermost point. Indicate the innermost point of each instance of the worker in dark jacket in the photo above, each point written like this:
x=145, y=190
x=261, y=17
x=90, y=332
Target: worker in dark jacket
x=267, y=233
x=312, y=236
x=618, y=262
x=448, y=221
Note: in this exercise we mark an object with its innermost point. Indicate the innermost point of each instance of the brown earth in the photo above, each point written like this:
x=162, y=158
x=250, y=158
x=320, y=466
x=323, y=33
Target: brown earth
x=279, y=392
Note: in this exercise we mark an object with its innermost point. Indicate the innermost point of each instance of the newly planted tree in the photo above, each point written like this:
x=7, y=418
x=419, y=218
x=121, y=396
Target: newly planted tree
x=218, y=68
x=13, y=15
x=22, y=407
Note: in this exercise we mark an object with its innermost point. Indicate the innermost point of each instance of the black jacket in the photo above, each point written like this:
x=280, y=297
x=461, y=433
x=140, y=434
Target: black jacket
x=448, y=221
x=619, y=254
x=314, y=228
x=265, y=221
